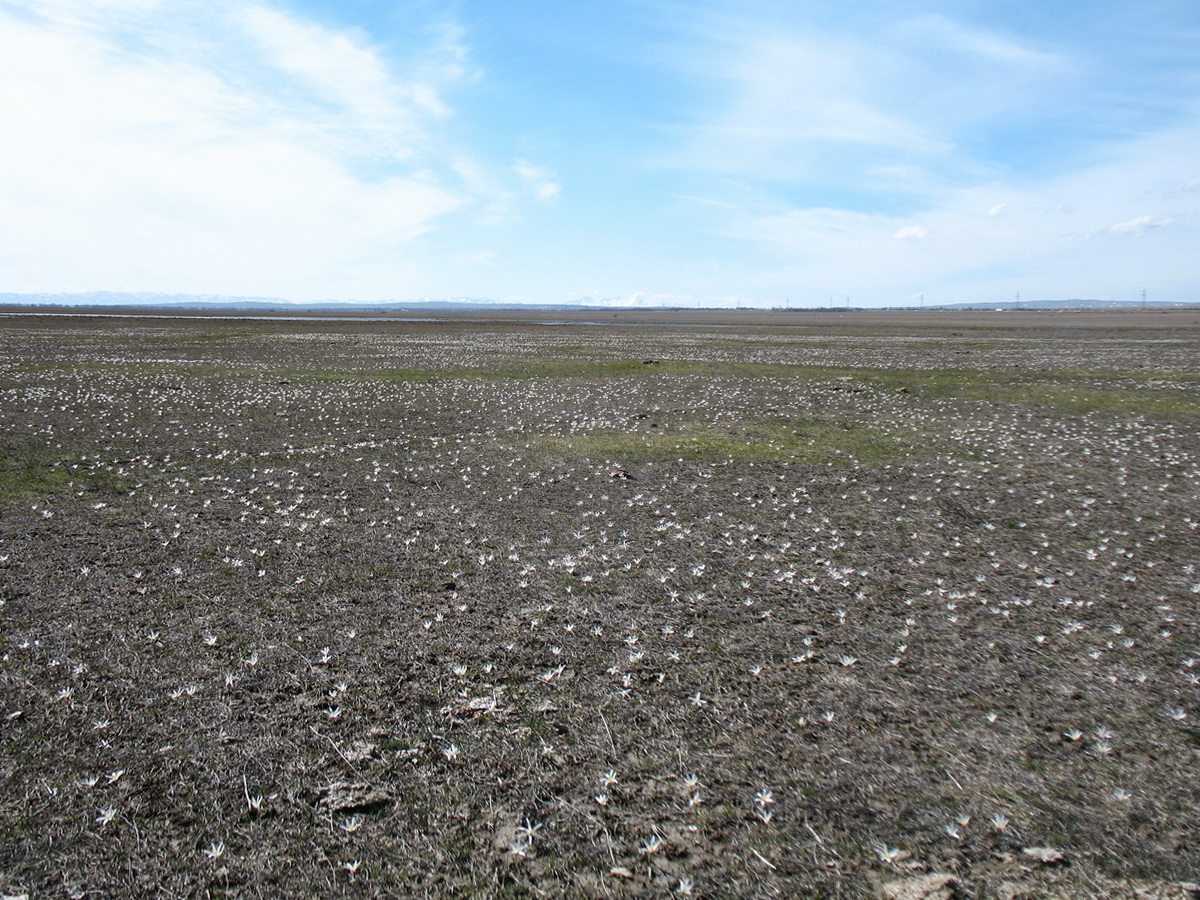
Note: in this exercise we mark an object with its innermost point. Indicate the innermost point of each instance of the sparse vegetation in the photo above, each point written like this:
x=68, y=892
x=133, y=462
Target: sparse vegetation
x=469, y=609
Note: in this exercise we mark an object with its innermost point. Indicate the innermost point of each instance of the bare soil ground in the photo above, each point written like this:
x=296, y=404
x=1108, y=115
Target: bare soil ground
x=881, y=321
x=842, y=607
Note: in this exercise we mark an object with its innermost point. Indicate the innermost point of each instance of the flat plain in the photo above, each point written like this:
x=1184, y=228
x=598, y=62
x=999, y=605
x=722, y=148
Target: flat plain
x=730, y=605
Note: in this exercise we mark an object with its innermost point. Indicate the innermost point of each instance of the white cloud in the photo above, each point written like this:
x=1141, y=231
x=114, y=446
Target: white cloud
x=783, y=103
x=789, y=90
x=1040, y=245
x=782, y=98
x=233, y=148
x=485, y=258
x=651, y=298
x=538, y=180
x=833, y=144
x=1139, y=225
x=339, y=68
x=936, y=30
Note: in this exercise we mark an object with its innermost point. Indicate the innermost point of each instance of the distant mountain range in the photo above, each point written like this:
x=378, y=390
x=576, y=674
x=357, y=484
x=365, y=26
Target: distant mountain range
x=111, y=299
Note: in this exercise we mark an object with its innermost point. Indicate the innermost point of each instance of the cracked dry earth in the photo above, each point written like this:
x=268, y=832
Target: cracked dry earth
x=506, y=610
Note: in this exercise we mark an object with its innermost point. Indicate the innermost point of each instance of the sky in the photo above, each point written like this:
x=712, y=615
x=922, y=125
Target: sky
x=638, y=152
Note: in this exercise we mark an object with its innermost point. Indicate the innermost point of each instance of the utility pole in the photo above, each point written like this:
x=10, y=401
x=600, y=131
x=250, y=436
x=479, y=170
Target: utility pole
x=1143, y=298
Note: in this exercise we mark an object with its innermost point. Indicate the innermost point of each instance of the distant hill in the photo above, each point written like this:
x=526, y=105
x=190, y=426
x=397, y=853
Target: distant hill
x=113, y=299
x=1063, y=304
x=117, y=299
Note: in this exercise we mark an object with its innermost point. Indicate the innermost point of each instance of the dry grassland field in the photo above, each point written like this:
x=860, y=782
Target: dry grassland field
x=787, y=605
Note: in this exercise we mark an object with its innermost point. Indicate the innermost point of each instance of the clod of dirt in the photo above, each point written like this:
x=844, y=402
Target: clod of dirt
x=344, y=797
x=1160, y=891
x=1013, y=890
x=921, y=887
x=1047, y=856
x=361, y=752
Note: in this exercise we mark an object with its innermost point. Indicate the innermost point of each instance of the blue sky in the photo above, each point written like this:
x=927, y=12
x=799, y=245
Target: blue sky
x=707, y=152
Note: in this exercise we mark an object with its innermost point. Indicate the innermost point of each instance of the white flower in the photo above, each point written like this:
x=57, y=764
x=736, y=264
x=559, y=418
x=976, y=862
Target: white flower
x=215, y=850
x=887, y=854
x=653, y=845
x=528, y=831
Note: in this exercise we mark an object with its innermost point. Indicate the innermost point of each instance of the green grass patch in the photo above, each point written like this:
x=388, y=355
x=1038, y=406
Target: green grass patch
x=1061, y=392
x=28, y=469
x=808, y=441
